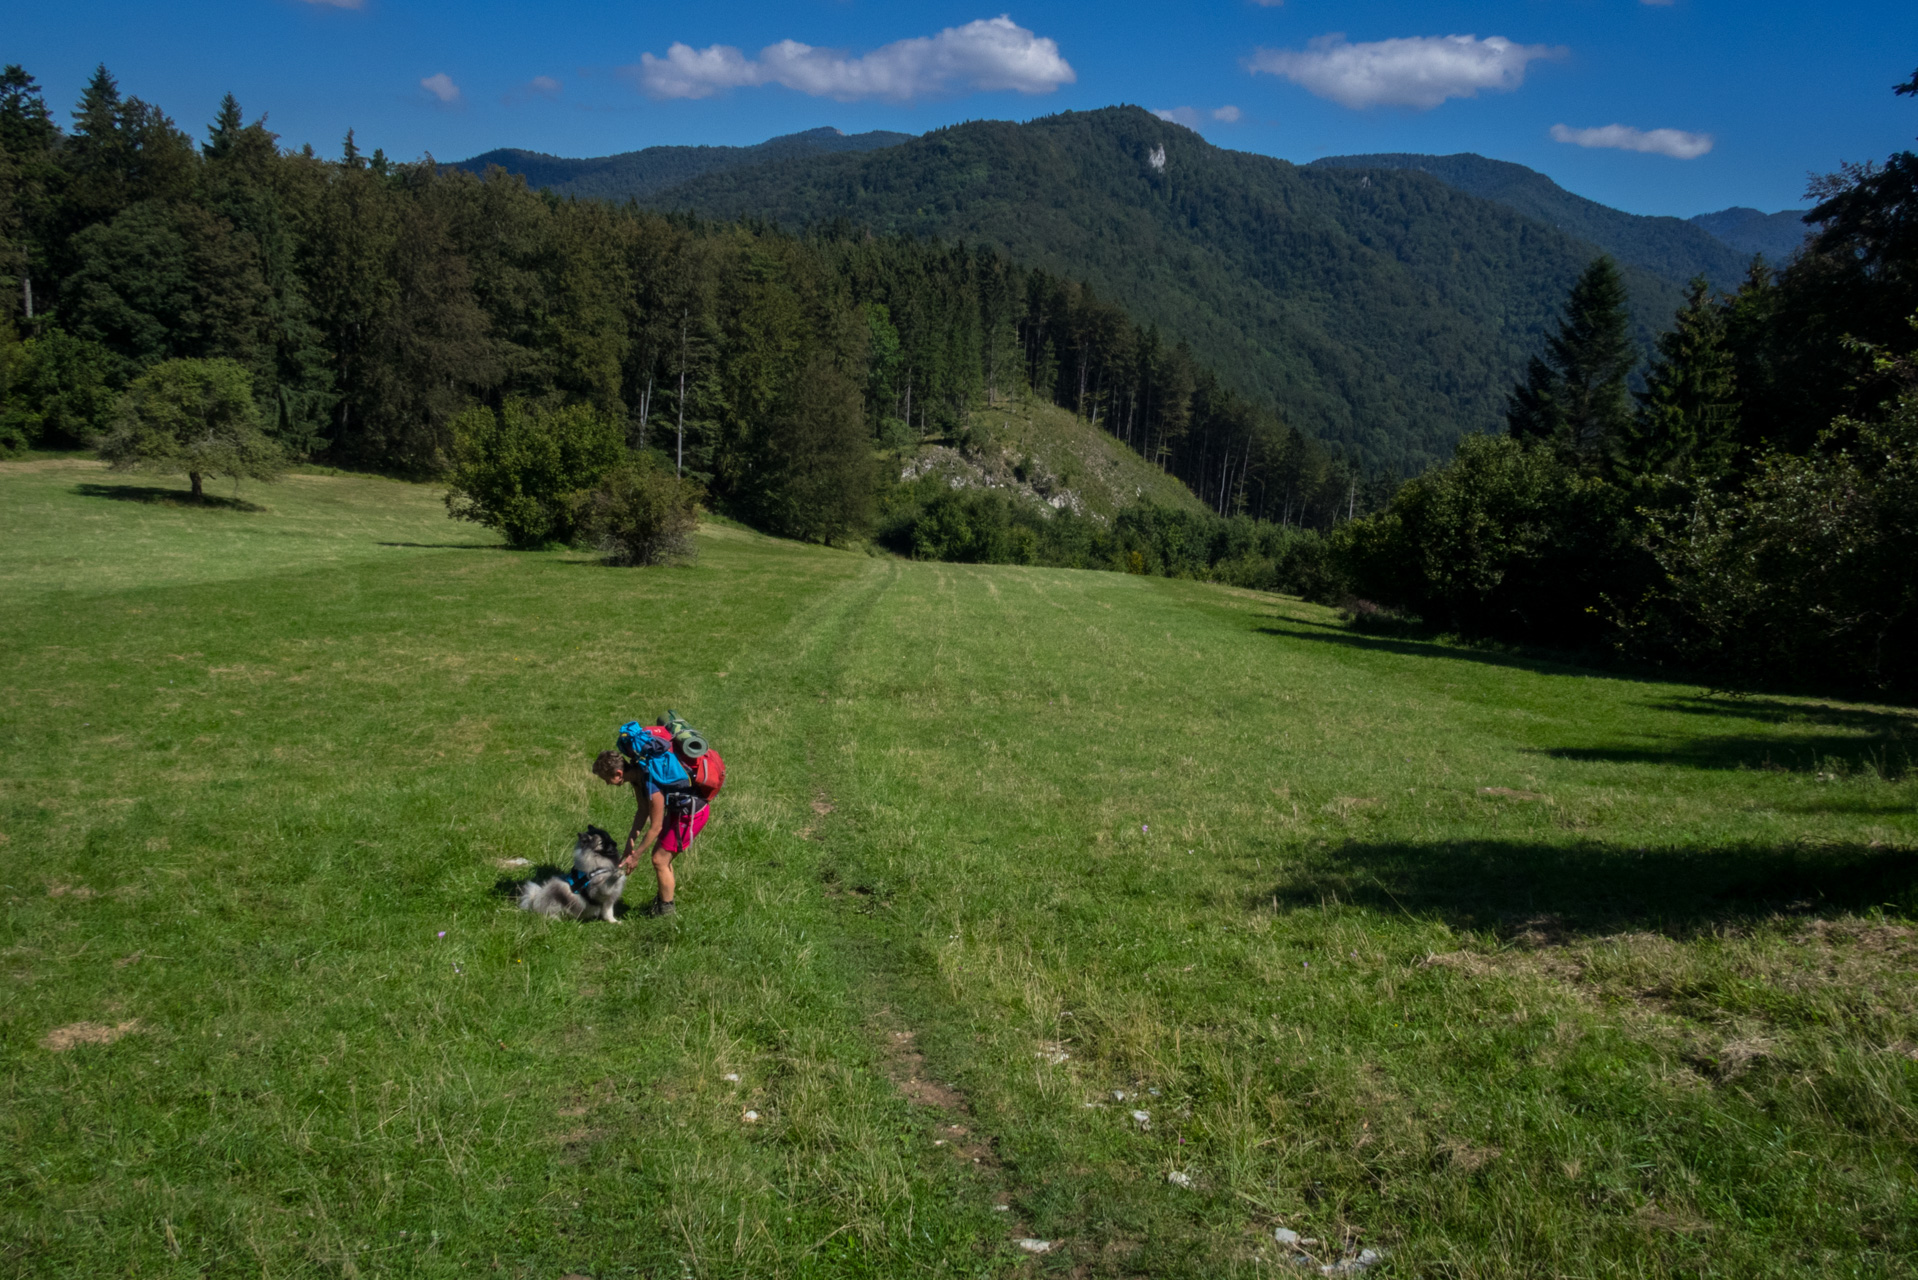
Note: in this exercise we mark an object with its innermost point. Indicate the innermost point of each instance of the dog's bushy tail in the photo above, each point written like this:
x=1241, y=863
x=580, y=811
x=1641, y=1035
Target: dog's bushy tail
x=553, y=898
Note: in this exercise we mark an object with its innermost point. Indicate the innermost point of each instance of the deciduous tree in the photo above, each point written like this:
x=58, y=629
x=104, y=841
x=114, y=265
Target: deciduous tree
x=195, y=418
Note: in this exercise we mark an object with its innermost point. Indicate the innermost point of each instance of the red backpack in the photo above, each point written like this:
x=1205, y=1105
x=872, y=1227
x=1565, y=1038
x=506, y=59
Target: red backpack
x=708, y=773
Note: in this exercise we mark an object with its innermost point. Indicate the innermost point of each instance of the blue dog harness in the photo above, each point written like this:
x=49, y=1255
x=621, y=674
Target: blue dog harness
x=580, y=881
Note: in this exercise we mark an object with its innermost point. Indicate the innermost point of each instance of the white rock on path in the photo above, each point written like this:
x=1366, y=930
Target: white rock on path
x=1179, y=1179
x=1143, y=1119
x=1367, y=1259
x=1034, y=1246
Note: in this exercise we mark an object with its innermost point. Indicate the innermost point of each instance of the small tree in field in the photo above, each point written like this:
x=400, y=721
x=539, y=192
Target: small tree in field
x=194, y=418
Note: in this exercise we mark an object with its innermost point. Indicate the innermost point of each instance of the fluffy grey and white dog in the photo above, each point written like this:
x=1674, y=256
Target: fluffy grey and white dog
x=591, y=890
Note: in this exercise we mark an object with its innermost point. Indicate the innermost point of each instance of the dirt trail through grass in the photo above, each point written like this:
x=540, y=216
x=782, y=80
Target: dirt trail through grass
x=1137, y=917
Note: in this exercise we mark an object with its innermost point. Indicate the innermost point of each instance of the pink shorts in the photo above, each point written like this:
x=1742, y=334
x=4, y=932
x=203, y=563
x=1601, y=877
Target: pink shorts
x=680, y=833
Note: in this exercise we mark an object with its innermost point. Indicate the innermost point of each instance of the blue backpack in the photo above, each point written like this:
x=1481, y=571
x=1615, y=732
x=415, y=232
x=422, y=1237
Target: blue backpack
x=642, y=747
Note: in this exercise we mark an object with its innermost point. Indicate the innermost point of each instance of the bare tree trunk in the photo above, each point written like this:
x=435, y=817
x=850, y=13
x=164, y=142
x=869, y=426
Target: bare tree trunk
x=645, y=409
x=26, y=294
x=679, y=457
x=199, y=494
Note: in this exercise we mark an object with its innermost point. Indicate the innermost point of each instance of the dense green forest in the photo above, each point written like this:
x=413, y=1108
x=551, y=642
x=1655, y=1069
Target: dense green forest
x=1674, y=248
x=373, y=304
x=1750, y=513
x=1385, y=311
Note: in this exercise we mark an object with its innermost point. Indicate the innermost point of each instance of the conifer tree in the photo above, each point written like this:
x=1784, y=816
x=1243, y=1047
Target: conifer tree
x=28, y=139
x=1688, y=412
x=1575, y=395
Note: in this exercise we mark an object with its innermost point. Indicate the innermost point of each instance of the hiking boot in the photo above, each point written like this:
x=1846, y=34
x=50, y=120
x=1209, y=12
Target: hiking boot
x=657, y=907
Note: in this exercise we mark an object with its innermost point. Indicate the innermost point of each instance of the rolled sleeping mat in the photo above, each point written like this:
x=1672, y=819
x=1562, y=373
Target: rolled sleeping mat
x=686, y=739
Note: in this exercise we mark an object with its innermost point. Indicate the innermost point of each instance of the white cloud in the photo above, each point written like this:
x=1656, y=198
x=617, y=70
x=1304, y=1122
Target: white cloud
x=538, y=87
x=441, y=86
x=1413, y=71
x=1191, y=116
x=1676, y=143
x=686, y=72
x=989, y=54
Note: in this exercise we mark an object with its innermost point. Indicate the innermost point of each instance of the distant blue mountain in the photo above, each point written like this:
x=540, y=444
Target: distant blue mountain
x=638, y=175
x=1776, y=235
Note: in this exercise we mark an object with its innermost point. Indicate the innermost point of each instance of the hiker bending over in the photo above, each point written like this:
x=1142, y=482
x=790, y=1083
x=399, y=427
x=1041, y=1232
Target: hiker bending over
x=649, y=823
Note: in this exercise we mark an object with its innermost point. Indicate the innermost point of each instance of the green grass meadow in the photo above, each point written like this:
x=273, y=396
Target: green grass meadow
x=1499, y=967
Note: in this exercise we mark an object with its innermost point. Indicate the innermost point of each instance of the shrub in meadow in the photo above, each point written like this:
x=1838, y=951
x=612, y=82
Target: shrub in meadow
x=640, y=513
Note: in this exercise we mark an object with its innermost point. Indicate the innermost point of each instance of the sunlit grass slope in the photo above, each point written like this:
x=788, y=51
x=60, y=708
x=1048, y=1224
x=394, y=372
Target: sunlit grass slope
x=1500, y=968
x=1043, y=452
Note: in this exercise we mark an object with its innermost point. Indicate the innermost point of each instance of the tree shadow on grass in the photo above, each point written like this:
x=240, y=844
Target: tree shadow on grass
x=1888, y=721
x=156, y=496
x=1842, y=739
x=1333, y=633
x=1888, y=758
x=448, y=546
x=1524, y=889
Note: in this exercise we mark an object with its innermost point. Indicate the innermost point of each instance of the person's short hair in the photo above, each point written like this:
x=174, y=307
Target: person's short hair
x=608, y=763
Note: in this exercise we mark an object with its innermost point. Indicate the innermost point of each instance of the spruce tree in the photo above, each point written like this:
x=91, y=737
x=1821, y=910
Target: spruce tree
x=1575, y=395
x=225, y=129
x=1688, y=412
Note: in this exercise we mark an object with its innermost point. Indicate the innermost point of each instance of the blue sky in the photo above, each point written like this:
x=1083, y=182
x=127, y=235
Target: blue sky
x=1672, y=108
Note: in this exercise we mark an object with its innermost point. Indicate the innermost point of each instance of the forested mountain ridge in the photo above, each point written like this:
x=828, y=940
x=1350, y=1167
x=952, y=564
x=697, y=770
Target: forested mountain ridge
x=1776, y=235
x=645, y=173
x=1386, y=312
x=1674, y=248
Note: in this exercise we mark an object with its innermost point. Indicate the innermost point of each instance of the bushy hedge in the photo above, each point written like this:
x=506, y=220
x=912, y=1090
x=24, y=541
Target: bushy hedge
x=1507, y=542
x=1805, y=574
x=929, y=520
